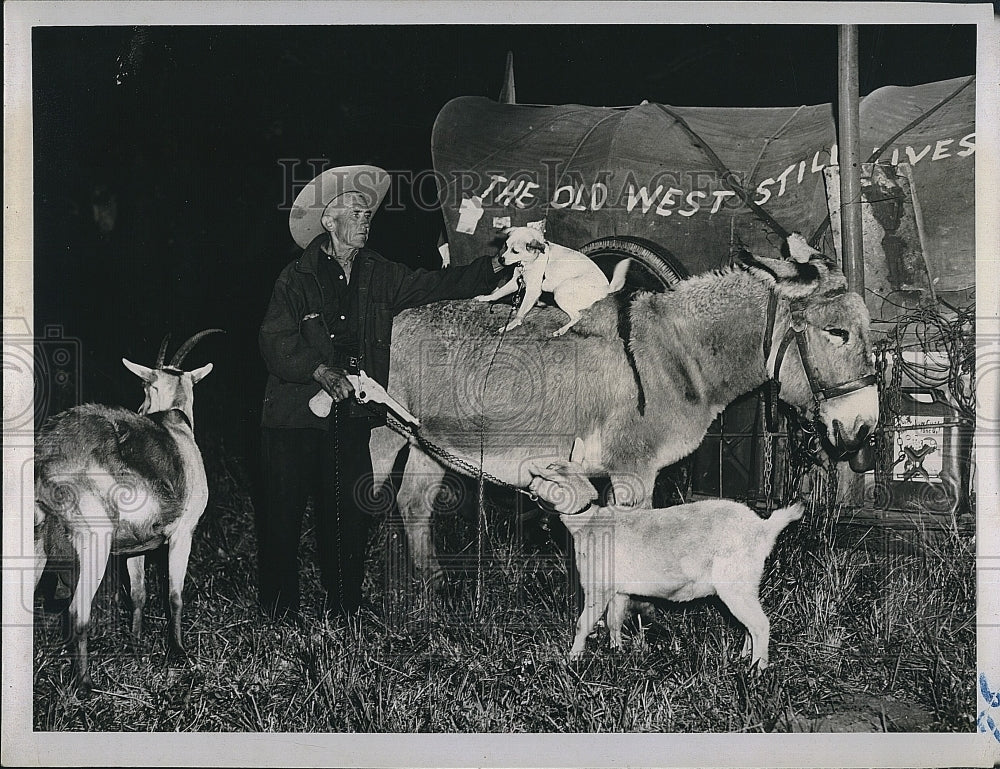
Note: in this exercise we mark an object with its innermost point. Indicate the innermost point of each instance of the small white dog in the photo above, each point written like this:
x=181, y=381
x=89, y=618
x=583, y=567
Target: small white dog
x=574, y=280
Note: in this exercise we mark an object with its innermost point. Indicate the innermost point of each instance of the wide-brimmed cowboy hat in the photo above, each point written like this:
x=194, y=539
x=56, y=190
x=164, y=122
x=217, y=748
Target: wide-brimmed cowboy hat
x=307, y=210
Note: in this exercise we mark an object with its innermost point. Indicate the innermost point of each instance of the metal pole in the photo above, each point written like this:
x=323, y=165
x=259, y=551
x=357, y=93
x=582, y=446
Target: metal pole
x=849, y=145
x=507, y=95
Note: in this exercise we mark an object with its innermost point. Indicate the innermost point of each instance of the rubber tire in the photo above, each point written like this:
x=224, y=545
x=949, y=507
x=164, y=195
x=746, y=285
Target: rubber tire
x=661, y=270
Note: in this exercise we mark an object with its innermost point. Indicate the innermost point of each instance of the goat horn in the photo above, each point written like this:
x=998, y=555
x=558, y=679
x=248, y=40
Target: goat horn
x=162, y=355
x=189, y=345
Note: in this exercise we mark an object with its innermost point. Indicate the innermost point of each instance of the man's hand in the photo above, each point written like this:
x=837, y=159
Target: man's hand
x=334, y=381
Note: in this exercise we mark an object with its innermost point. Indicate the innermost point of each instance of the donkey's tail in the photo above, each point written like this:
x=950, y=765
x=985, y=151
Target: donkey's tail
x=618, y=277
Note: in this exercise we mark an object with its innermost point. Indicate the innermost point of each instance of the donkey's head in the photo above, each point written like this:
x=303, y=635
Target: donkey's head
x=168, y=386
x=824, y=328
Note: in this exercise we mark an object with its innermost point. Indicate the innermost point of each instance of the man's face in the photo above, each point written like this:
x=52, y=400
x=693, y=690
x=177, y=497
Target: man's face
x=348, y=219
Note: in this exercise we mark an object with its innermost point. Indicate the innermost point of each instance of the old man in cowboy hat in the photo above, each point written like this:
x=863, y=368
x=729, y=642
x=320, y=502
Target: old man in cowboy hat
x=331, y=314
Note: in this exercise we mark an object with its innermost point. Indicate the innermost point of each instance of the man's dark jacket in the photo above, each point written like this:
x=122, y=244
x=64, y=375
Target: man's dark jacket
x=384, y=289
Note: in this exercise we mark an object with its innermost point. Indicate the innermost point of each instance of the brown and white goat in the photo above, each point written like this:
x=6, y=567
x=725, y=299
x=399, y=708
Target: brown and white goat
x=112, y=481
x=713, y=547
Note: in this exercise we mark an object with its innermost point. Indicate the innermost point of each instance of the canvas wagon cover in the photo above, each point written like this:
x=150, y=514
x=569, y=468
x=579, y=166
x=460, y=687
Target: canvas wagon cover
x=592, y=172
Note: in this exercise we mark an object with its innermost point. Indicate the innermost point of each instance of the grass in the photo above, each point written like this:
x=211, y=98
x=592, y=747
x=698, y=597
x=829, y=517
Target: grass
x=859, y=635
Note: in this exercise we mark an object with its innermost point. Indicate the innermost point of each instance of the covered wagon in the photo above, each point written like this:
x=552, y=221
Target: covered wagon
x=654, y=182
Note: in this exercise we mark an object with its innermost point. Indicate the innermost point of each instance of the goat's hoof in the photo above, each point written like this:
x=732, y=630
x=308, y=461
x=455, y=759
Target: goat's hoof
x=84, y=685
x=134, y=643
x=176, y=651
x=757, y=668
x=436, y=581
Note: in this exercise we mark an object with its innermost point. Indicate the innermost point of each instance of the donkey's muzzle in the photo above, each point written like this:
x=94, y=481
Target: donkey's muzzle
x=863, y=460
x=849, y=444
x=857, y=449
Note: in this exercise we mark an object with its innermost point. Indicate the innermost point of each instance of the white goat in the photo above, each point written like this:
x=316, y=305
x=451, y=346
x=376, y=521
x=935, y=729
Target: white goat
x=714, y=547
x=115, y=482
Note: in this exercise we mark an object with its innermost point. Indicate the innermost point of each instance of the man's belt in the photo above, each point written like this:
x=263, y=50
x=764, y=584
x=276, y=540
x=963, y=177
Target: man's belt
x=343, y=359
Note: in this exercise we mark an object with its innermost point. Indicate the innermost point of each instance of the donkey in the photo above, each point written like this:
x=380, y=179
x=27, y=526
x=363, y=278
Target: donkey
x=115, y=482
x=638, y=382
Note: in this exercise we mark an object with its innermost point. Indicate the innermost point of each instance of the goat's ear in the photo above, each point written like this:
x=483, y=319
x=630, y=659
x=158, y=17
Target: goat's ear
x=200, y=373
x=145, y=374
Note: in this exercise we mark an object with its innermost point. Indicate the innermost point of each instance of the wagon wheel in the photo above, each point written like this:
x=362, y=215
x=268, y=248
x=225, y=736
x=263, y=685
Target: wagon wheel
x=653, y=268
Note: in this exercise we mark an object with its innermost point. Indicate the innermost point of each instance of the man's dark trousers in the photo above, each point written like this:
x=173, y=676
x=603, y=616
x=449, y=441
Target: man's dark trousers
x=334, y=466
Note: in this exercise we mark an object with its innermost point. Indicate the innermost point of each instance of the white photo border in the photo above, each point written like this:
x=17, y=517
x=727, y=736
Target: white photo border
x=22, y=746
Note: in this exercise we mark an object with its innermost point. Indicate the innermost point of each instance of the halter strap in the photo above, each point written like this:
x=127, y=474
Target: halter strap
x=845, y=388
x=779, y=357
x=772, y=311
x=802, y=343
x=833, y=391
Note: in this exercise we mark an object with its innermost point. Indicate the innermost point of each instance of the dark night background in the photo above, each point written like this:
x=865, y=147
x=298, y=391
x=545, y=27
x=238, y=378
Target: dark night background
x=185, y=127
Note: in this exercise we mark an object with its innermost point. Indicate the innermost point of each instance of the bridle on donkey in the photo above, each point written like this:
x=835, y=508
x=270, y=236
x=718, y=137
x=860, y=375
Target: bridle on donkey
x=812, y=427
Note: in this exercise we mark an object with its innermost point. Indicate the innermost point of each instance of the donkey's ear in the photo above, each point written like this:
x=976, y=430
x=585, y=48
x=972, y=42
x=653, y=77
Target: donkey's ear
x=797, y=249
x=792, y=280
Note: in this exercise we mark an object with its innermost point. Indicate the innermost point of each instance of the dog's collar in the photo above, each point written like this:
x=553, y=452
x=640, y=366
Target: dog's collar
x=544, y=504
x=582, y=510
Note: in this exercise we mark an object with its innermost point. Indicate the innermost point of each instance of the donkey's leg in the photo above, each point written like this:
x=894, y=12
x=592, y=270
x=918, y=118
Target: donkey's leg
x=385, y=445
x=421, y=482
x=633, y=489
